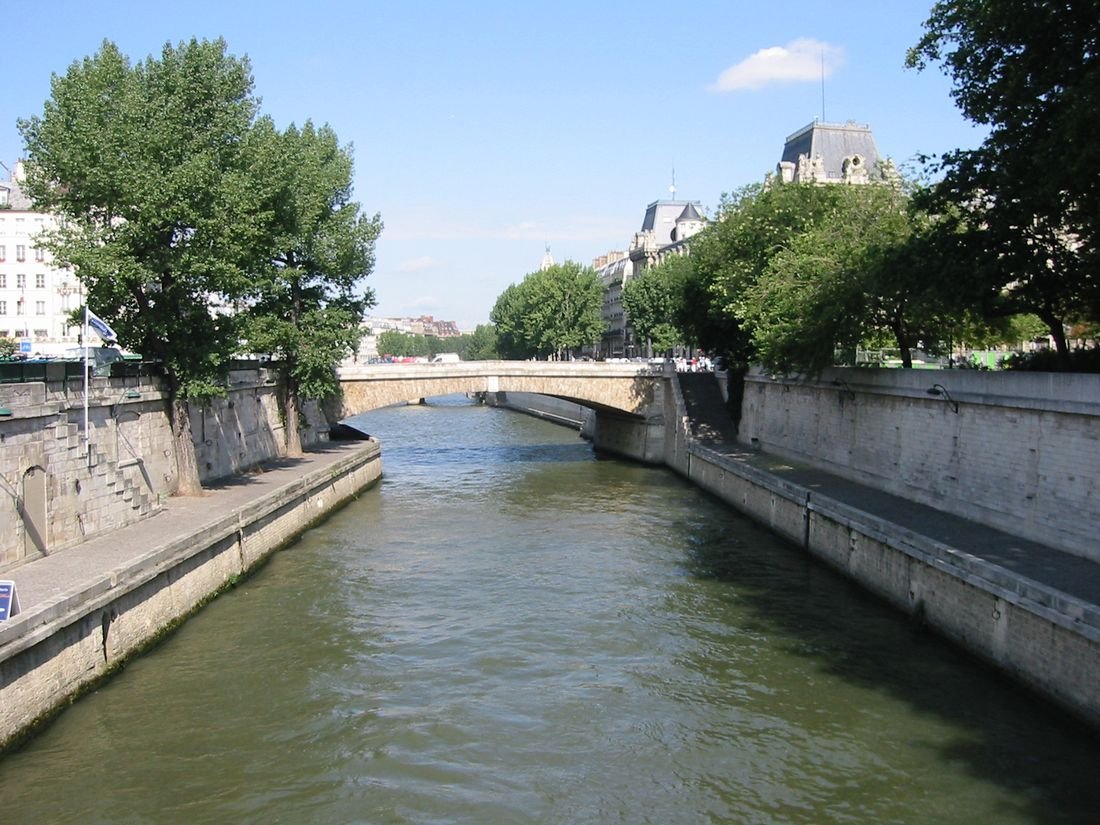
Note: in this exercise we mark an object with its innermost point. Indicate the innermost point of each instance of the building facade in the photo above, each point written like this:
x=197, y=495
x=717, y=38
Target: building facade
x=36, y=297
x=667, y=228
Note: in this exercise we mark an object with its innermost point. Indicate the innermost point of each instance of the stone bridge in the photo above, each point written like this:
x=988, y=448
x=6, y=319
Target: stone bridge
x=628, y=397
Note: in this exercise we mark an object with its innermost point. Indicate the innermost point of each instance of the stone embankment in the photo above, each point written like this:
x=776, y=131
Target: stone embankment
x=86, y=609
x=1029, y=608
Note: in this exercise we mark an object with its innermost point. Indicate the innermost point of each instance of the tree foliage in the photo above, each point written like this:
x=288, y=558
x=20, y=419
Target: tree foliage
x=406, y=345
x=305, y=301
x=1026, y=200
x=479, y=345
x=482, y=345
x=145, y=165
x=552, y=312
x=799, y=270
x=654, y=302
x=198, y=230
x=851, y=278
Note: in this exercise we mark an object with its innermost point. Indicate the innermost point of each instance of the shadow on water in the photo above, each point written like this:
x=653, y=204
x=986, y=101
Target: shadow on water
x=1048, y=759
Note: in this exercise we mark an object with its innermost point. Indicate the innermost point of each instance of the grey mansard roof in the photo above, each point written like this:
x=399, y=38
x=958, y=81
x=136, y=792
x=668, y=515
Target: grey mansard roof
x=661, y=217
x=833, y=142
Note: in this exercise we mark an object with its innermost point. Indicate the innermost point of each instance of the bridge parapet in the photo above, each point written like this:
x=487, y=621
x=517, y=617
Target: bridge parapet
x=630, y=388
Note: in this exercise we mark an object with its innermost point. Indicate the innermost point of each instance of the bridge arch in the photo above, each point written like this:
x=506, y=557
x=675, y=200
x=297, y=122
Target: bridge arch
x=630, y=389
x=629, y=398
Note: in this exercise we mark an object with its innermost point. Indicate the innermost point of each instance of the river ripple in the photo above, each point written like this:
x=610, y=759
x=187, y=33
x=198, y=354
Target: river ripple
x=508, y=630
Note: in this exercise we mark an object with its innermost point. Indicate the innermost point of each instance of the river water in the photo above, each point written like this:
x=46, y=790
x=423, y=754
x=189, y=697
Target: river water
x=508, y=630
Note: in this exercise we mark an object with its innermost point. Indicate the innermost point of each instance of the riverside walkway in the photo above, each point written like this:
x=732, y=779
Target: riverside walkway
x=47, y=580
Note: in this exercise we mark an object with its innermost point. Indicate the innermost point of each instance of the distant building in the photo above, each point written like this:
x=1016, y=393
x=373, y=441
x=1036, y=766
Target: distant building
x=667, y=227
x=613, y=270
x=36, y=297
x=831, y=153
x=547, y=260
x=423, y=325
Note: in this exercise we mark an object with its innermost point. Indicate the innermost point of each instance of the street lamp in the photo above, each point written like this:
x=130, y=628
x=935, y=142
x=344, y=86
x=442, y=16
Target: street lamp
x=941, y=390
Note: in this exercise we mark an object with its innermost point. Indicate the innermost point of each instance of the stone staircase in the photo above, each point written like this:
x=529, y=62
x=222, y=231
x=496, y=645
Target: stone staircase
x=708, y=418
x=112, y=494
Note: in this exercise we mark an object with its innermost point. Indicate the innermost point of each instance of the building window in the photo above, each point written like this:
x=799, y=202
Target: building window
x=21, y=281
x=41, y=334
x=39, y=307
x=3, y=281
x=3, y=311
x=3, y=253
x=39, y=254
x=40, y=280
x=20, y=252
x=19, y=307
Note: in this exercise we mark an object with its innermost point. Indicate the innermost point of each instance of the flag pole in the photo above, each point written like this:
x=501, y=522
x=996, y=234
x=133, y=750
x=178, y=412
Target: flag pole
x=86, y=439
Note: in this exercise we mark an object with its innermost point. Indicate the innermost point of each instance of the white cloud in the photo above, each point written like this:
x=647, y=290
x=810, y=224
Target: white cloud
x=801, y=60
x=418, y=264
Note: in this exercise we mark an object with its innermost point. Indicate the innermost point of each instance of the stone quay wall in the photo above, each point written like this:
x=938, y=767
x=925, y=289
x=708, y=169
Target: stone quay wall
x=1015, y=450
x=58, y=489
x=52, y=653
x=556, y=410
x=1041, y=637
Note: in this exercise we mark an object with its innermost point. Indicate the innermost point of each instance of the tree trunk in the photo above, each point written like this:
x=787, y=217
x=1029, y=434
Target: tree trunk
x=291, y=423
x=187, y=467
x=901, y=335
x=1058, y=333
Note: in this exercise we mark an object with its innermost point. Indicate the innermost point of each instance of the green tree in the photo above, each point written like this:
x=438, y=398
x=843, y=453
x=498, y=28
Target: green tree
x=755, y=223
x=654, y=300
x=7, y=347
x=1026, y=198
x=706, y=323
x=306, y=301
x=508, y=315
x=849, y=278
x=552, y=312
x=145, y=166
x=482, y=345
x=392, y=342
x=976, y=332
x=403, y=344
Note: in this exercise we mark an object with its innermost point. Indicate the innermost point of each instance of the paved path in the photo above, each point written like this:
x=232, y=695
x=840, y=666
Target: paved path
x=70, y=570
x=1073, y=575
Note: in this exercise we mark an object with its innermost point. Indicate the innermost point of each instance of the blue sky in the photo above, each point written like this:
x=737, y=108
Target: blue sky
x=484, y=131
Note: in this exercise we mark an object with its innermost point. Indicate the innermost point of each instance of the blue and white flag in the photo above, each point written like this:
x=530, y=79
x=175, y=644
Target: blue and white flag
x=101, y=327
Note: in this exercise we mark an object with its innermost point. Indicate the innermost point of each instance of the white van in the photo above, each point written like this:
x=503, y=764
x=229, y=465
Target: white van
x=446, y=358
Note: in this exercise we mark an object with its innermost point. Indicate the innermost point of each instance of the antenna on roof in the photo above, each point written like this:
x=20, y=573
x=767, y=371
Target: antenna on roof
x=822, y=85
x=672, y=188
